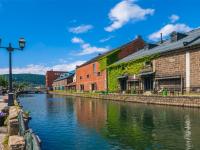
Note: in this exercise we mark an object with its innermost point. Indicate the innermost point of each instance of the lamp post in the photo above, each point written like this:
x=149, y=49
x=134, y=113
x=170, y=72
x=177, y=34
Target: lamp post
x=10, y=49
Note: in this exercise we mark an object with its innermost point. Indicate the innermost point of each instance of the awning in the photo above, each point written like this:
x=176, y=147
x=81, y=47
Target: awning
x=133, y=80
x=168, y=77
x=122, y=77
x=146, y=73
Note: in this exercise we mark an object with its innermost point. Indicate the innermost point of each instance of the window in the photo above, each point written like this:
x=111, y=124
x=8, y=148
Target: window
x=80, y=77
x=82, y=87
x=99, y=74
x=94, y=68
x=88, y=76
x=94, y=87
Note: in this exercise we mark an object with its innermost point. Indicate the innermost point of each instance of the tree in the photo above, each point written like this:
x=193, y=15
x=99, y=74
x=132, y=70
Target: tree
x=3, y=82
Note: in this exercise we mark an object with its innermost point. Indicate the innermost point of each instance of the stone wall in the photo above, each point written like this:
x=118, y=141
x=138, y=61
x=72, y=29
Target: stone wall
x=195, y=68
x=15, y=141
x=170, y=65
x=182, y=101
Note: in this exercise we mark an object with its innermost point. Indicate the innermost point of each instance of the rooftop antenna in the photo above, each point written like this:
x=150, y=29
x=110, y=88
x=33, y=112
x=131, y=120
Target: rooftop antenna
x=161, y=38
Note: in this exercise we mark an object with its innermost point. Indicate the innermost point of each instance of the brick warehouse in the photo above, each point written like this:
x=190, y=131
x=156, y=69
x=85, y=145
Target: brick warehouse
x=176, y=68
x=50, y=77
x=65, y=81
x=90, y=76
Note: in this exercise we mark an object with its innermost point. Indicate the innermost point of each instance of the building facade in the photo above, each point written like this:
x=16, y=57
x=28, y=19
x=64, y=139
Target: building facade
x=50, y=77
x=173, y=65
x=92, y=76
x=65, y=82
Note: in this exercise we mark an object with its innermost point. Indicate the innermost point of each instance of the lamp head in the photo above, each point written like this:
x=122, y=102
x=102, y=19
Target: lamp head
x=22, y=43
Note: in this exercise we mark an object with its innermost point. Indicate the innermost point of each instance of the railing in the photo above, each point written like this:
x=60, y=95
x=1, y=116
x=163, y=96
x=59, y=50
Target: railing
x=32, y=140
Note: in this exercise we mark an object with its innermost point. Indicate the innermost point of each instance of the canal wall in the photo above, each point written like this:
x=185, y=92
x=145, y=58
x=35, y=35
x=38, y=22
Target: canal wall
x=182, y=101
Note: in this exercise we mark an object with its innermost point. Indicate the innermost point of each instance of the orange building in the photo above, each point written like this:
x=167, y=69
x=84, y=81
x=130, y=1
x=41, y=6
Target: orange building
x=91, y=77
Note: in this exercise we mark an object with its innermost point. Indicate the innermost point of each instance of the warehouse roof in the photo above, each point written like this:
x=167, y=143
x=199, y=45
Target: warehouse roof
x=190, y=38
x=65, y=75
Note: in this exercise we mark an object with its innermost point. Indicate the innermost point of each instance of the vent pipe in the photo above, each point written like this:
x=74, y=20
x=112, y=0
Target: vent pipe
x=161, y=38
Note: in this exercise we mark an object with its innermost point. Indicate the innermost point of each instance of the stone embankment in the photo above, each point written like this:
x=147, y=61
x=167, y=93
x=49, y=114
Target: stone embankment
x=3, y=129
x=15, y=134
x=183, y=101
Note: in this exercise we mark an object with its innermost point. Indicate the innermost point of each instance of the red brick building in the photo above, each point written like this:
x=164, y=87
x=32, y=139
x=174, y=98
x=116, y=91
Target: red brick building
x=50, y=77
x=91, y=77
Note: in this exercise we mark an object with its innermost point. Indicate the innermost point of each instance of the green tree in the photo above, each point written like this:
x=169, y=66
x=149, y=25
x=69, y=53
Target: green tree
x=3, y=82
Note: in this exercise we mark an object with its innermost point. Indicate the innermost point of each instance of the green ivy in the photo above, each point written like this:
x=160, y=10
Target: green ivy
x=108, y=59
x=127, y=68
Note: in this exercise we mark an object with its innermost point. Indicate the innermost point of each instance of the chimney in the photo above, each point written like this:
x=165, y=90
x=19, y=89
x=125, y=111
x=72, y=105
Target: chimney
x=138, y=37
x=175, y=36
x=161, y=38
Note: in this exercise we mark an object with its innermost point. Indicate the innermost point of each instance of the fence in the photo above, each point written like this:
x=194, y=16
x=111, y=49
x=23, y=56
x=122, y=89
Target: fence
x=32, y=140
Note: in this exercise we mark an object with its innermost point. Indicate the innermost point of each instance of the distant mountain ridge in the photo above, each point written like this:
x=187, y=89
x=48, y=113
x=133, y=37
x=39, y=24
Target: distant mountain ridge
x=33, y=79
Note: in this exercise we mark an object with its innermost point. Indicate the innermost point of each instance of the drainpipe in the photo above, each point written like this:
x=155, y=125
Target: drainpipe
x=187, y=71
x=106, y=80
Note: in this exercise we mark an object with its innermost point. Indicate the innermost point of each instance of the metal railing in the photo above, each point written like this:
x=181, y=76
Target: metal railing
x=32, y=141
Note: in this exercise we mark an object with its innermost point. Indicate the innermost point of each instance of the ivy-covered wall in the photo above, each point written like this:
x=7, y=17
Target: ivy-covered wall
x=108, y=59
x=128, y=68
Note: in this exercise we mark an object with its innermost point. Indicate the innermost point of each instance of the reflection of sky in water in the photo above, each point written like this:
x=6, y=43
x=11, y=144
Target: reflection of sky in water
x=77, y=123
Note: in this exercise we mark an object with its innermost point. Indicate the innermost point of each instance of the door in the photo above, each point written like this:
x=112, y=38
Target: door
x=148, y=84
x=123, y=84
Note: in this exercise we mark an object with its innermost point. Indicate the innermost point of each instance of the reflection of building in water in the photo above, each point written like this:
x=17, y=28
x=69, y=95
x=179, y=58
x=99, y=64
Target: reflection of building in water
x=188, y=133
x=91, y=113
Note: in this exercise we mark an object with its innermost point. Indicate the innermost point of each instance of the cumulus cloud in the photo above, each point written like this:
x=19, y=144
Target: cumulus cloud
x=41, y=69
x=173, y=18
x=126, y=11
x=87, y=48
x=80, y=29
x=168, y=29
x=77, y=40
x=106, y=39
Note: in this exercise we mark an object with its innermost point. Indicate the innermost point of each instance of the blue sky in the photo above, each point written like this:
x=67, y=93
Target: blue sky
x=61, y=34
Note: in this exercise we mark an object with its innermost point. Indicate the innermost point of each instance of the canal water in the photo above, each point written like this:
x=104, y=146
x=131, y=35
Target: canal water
x=72, y=123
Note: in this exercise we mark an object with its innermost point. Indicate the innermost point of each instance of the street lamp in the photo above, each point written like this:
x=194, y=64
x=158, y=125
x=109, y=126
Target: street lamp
x=10, y=49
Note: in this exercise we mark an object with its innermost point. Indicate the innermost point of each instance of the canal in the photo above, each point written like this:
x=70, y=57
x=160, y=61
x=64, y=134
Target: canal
x=86, y=124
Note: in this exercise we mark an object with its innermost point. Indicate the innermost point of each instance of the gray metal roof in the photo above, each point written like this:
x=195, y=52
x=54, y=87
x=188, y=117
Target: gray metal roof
x=65, y=75
x=193, y=38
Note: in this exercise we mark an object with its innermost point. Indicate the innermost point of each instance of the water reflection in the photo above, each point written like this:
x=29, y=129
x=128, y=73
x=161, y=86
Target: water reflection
x=91, y=114
x=97, y=124
x=188, y=133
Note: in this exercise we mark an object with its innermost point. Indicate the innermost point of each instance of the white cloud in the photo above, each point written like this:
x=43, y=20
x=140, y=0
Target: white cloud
x=41, y=69
x=106, y=39
x=80, y=29
x=173, y=18
x=68, y=67
x=77, y=40
x=168, y=29
x=126, y=11
x=87, y=48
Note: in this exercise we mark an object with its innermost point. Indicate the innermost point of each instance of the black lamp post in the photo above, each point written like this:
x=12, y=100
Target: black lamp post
x=10, y=49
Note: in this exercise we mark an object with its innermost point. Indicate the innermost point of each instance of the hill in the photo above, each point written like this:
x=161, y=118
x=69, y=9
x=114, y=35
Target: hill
x=32, y=79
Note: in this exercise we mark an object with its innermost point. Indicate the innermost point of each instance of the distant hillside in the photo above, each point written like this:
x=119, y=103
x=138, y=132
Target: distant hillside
x=33, y=79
